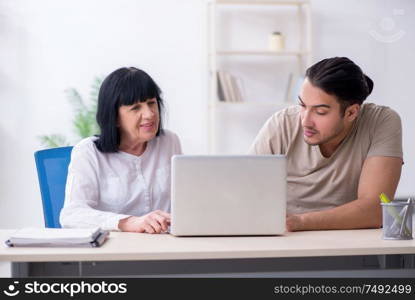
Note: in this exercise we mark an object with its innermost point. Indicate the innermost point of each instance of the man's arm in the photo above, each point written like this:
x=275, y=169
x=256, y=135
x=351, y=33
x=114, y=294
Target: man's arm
x=379, y=174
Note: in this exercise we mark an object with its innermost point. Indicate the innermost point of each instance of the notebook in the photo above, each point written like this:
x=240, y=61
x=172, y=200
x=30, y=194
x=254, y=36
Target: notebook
x=57, y=237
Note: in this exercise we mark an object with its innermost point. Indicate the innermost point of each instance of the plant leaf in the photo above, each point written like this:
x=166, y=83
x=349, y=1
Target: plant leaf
x=84, y=121
x=95, y=86
x=75, y=99
x=83, y=125
x=53, y=140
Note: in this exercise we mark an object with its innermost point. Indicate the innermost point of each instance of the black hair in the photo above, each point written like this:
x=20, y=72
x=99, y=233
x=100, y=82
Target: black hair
x=125, y=86
x=341, y=77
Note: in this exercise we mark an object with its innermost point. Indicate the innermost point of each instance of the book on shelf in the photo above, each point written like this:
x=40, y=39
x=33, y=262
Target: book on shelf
x=57, y=237
x=221, y=93
x=229, y=87
x=240, y=89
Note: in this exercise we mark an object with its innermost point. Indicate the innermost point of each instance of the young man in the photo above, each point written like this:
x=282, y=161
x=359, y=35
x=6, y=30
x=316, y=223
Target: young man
x=341, y=154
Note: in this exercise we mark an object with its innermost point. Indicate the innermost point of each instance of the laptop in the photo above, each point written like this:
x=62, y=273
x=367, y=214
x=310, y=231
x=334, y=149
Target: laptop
x=228, y=195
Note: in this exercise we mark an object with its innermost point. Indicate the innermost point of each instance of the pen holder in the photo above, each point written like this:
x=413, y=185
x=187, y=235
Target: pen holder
x=397, y=220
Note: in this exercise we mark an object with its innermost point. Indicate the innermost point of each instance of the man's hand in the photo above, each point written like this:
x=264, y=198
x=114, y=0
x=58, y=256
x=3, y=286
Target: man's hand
x=294, y=223
x=154, y=222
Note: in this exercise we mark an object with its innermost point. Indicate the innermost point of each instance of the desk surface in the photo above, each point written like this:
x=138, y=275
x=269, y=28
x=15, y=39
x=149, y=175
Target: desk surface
x=136, y=246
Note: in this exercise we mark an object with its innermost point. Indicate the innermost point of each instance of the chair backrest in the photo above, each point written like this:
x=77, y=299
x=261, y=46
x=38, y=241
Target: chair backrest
x=52, y=170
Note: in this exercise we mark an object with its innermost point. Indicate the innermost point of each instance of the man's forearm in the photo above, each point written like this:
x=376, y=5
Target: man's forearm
x=360, y=213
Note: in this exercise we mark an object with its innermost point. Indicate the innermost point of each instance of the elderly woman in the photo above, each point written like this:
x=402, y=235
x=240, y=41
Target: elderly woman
x=120, y=180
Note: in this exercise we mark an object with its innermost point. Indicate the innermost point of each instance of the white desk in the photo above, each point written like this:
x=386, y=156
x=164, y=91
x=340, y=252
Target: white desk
x=301, y=251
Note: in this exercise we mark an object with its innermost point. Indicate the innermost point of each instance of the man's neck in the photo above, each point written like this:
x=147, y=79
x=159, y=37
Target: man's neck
x=327, y=149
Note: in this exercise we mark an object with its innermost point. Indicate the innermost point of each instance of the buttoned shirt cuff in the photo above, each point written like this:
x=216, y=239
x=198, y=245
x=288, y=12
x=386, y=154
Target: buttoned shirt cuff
x=112, y=222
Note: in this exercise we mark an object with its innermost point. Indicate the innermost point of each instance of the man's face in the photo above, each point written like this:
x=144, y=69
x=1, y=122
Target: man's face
x=321, y=116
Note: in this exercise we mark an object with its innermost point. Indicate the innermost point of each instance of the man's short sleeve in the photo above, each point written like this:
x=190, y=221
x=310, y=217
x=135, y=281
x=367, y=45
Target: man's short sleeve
x=268, y=141
x=387, y=138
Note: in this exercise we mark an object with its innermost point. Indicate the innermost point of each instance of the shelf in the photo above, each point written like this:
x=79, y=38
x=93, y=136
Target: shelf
x=265, y=53
x=241, y=2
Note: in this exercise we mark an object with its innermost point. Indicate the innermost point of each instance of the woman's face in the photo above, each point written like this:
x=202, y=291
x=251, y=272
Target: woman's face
x=139, y=122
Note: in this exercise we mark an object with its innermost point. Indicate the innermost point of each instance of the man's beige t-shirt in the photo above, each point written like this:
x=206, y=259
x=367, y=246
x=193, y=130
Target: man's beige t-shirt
x=316, y=182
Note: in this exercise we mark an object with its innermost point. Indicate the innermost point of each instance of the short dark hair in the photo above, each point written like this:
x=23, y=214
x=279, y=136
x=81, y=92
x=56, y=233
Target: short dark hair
x=125, y=86
x=341, y=77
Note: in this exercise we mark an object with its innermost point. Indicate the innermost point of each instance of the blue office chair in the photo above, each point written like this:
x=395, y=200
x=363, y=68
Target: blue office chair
x=52, y=171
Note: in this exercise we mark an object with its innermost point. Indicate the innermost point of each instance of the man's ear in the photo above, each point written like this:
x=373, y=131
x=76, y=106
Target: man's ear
x=352, y=112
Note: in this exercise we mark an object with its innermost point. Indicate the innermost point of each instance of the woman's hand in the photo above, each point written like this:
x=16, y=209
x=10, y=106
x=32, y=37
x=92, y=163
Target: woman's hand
x=154, y=222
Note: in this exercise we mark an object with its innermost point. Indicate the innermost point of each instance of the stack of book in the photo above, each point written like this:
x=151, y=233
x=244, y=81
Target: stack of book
x=229, y=87
x=57, y=237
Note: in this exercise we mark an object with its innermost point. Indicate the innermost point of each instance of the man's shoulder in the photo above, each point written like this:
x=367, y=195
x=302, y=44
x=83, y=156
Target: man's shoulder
x=291, y=111
x=289, y=115
x=285, y=124
x=374, y=115
x=381, y=127
x=372, y=109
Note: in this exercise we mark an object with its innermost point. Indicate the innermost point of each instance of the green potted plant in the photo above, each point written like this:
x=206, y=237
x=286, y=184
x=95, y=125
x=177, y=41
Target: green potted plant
x=84, y=120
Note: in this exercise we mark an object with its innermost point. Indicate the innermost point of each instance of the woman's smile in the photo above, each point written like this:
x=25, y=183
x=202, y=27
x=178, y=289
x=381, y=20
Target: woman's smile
x=147, y=126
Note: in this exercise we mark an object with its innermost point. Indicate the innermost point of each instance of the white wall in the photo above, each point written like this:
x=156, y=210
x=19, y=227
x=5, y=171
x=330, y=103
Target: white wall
x=48, y=46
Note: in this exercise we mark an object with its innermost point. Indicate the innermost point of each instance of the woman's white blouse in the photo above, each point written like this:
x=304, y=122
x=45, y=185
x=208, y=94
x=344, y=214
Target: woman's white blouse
x=103, y=188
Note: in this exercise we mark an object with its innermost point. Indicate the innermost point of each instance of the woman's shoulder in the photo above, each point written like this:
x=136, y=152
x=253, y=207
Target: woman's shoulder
x=86, y=146
x=86, y=143
x=167, y=142
x=168, y=136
